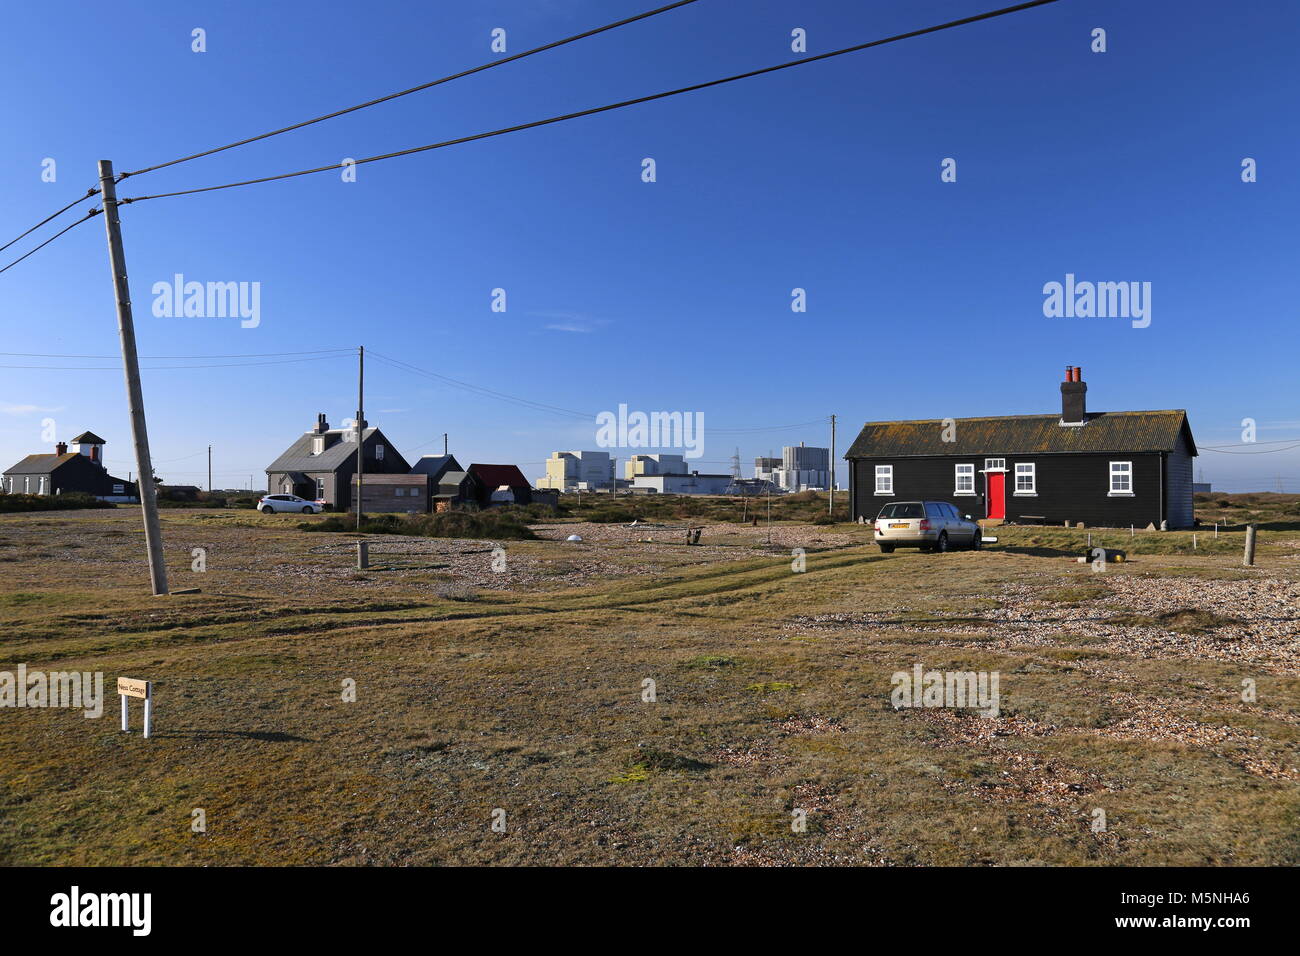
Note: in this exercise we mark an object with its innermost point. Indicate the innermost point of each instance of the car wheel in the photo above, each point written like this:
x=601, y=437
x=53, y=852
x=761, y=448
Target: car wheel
x=268, y=510
x=977, y=539
x=887, y=548
x=942, y=544
x=309, y=510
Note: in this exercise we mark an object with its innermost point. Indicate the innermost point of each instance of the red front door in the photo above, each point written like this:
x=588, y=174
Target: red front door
x=997, y=494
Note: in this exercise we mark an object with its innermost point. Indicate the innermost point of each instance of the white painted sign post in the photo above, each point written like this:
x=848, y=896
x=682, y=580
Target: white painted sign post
x=130, y=687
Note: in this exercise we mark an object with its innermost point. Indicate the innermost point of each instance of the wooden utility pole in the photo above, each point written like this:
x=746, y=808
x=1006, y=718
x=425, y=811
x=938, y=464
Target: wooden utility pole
x=444, y=444
x=832, y=475
x=209, y=469
x=361, y=426
x=134, y=395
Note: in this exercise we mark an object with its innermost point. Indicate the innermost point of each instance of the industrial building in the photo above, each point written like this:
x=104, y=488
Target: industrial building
x=681, y=484
x=657, y=464
x=800, y=468
x=578, y=471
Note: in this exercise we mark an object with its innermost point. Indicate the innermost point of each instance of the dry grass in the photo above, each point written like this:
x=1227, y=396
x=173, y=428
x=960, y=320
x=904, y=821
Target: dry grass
x=528, y=698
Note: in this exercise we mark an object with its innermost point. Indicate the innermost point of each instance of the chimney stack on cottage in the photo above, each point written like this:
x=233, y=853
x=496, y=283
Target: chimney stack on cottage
x=1074, y=391
x=322, y=426
x=61, y=448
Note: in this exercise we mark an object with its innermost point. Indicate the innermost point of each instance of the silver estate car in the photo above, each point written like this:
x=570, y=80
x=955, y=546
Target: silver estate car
x=928, y=525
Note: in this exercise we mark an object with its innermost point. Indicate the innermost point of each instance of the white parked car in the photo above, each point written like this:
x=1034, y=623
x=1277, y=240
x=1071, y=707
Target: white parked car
x=271, y=504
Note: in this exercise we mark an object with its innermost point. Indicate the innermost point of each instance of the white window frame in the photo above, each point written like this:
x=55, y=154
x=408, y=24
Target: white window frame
x=966, y=471
x=318, y=445
x=990, y=466
x=320, y=489
x=379, y=453
x=1127, y=473
x=1032, y=472
x=885, y=472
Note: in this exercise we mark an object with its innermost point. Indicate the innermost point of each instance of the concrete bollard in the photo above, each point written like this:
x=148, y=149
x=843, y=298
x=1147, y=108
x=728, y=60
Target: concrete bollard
x=1249, y=560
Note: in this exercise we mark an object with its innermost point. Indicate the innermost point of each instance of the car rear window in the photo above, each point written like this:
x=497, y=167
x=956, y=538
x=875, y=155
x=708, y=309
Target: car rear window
x=902, y=509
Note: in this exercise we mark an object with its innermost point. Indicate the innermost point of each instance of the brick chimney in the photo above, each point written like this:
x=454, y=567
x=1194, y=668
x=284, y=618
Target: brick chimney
x=61, y=448
x=322, y=426
x=1074, y=391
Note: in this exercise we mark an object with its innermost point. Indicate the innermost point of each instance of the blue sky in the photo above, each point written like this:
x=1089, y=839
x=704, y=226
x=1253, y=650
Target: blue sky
x=924, y=298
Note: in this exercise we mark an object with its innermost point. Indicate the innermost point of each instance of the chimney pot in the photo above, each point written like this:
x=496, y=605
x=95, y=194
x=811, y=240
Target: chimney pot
x=61, y=448
x=1074, y=393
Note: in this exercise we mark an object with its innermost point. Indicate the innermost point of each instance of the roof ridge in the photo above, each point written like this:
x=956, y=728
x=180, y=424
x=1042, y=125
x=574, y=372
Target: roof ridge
x=996, y=418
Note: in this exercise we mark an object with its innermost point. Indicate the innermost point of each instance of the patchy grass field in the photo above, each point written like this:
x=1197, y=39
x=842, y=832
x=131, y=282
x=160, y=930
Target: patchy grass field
x=522, y=690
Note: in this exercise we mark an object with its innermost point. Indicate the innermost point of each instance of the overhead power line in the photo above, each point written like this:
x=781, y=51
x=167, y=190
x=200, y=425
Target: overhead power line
x=350, y=351
x=1262, y=451
x=90, y=192
x=770, y=428
x=90, y=215
x=479, y=389
x=542, y=406
x=416, y=89
x=607, y=107
x=159, y=368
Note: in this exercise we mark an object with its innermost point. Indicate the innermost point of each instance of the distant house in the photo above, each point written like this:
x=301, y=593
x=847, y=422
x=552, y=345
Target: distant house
x=456, y=489
x=435, y=466
x=66, y=472
x=319, y=465
x=1108, y=469
x=501, y=485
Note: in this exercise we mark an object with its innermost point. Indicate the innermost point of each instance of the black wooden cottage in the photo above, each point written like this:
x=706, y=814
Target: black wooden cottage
x=63, y=472
x=1106, y=469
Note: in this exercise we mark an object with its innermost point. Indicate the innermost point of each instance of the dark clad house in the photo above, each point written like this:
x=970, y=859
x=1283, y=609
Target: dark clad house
x=64, y=472
x=1107, y=469
x=456, y=489
x=435, y=466
x=320, y=464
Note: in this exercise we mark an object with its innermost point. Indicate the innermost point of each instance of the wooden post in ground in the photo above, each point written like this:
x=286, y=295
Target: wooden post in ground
x=1249, y=560
x=146, y=486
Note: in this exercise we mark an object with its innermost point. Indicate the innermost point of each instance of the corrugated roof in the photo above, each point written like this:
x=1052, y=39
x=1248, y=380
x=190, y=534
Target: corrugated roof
x=298, y=457
x=1025, y=434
